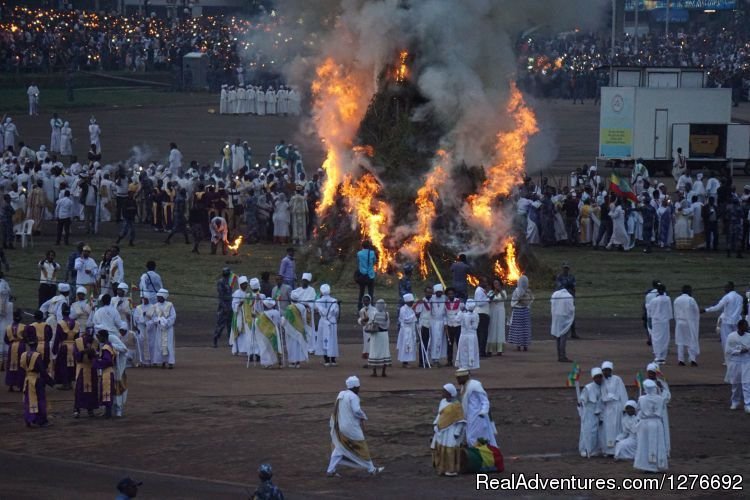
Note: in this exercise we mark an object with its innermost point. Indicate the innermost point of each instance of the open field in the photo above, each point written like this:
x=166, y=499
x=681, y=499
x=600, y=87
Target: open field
x=201, y=430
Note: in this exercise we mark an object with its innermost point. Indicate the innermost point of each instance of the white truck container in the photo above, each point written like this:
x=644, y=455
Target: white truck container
x=651, y=122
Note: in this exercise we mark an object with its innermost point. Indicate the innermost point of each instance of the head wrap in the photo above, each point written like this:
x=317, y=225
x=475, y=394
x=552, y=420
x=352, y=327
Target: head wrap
x=608, y=364
x=307, y=276
x=81, y=290
x=596, y=371
x=408, y=297
x=461, y=372
x=255, y=284
x=163, y=292
x=269, y=303
x=649, y=386
x=352, y=382
x=437, y=288
x=470, y=304
x=631, y=404
x=523, y=284
x=451, y=389
x=122, y=286
x=380, y=305
x=242, y=280
x=325, y=289
x=63, y=288
x=652, y=367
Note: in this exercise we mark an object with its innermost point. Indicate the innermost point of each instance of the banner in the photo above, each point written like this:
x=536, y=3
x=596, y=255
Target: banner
x=616, y=118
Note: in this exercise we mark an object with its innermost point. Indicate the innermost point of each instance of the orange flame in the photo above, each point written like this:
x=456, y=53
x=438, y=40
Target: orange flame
x=366, y=150
x=339, y=105
x=426, y=211
x=472, y=280
x=236, y=245
x=509, y=168
x=402, y=70
x=372, y=215
x=513, y=270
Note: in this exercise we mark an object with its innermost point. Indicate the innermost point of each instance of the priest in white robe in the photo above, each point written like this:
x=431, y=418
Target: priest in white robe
x=614, y=397
x=251, y=309
x=627, y=440
x=438, y=338
x=265, y=334
x=467, y=351
x=293, y=326
x=406, y=344
x=730, y=306
x=347, y=432
x=143, y=319
x=476, y=405
x=270, y=101
x=260, y=101
x=238, y=313
x=449, y=429
x=687, y=321
x=563, y=310
x=659, y=310
x=307, y=297
x=590, y=409
x=164, y=318
x=327, y=343
x=223, y=100
x=662, y=389
x=738, y=366
x=651, y=451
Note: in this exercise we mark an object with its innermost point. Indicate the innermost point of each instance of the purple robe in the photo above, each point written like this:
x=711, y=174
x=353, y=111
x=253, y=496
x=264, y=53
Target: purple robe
x=40, y=417
x=83, y=399
x=30, y=330
x=106, y=361
x=64, y=374
x=14, y=378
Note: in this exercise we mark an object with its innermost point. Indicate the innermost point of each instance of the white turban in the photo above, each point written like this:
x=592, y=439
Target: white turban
x=122, y=286
x=163, y=292
x=408, y=297
x=649, y=384
x=608, y=364
x=242, y=280
x=596, y=371
x=451, y=389
x=325, y=289
x=269, y=303
x=652, y=367
x=352, y=382
x=255, y=284
x=81, y=289
x=470, y=304
x=307, y=276
x=437, y=288
x=63, y=288
x=631, y=403
x=294, y=295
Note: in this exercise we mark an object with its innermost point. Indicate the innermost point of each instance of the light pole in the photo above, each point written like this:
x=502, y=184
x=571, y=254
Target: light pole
x=637, y=8
x=666, y=23
x=612, y=51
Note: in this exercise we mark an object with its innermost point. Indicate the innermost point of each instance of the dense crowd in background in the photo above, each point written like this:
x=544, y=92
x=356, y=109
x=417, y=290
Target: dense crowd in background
x=575, y=65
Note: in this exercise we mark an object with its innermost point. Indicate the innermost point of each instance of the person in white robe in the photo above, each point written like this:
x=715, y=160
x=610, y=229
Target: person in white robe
x=697, y=227
x=81, y=310
x=120, y=365
x=239, y=297
x=651, y=452
x=496, y=336
x=232, y=100
x=270, y=101
x=251, y=308
x=143, y=320
x=52, y=309
x=260, y=101
x=327, y=343
x=347, y=432
x=239, y=103
x=10, y=133
x=662, y=388
x=619, y=233
x=380, y=350
x=614, y=396
x=250, y=97
x=307, y=297
x=438, y=339
x=737, y=354
x=95, y=133
x=627, y=440
x=56, y=125
x=476, y=405
x=467, y=352
x=563, y=311
x=124, y=307
x=295, y=107
x=164, y=319
x=590, y=409
x=66, y=140
x=364, y=318
x=223, y=100
x=449, y=429
x=293, y=325
x=687, y=321
x=730, y=306
x=238, y=157
x=659, y=310
x=266, y=336
x=6, y=317
x=406, y=343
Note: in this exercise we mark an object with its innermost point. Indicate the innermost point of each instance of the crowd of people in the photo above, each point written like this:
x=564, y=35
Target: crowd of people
x=575, y=65
x=253, y=100
x=702, y=211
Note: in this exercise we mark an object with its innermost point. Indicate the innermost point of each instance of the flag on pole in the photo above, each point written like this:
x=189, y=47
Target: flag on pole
x=574, y=375
x=639, y=381
x=621, y=187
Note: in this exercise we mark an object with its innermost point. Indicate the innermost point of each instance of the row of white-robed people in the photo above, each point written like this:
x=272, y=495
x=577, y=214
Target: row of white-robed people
x=463, y=419
x=612, y=425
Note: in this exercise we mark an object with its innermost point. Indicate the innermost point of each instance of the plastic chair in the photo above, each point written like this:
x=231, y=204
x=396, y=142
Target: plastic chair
x=24, y=230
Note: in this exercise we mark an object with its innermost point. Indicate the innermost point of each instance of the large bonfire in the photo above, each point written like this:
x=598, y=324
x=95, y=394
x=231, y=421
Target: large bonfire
x=354, y=192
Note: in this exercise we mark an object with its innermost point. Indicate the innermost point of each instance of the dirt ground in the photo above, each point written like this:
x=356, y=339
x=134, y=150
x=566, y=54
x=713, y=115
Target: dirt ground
x=201, y=430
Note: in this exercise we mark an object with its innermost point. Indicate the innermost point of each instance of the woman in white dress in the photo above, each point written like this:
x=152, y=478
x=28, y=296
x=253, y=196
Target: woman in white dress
x=365, y=316
x=281, y=220
x=66, y=140
x=467, y=354
x=651, y=449
x=406, y=345
x=496, y=337
x=380, y=350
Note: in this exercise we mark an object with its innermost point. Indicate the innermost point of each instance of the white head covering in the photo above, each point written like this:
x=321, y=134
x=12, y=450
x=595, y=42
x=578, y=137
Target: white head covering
x=122, y=286
x=254, y=284
x=269, y=303
x=649, y=386
x=451, y=389
x=352, y=382
x=608, y=364
x=163, y=292
x=470, y=304
x=242, y=280
x=380, y=305
x=294, y=295
x=652, y=367
x=81, y=289
x=325, y=289
x=408, y=297
x=307, y=276
x=437, y=288
x=596, y=371
x=631, y=403
x=523, y=284
x=63, y=288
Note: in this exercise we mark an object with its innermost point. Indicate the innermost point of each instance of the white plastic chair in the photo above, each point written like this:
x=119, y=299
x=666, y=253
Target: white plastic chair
x=25, y=229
